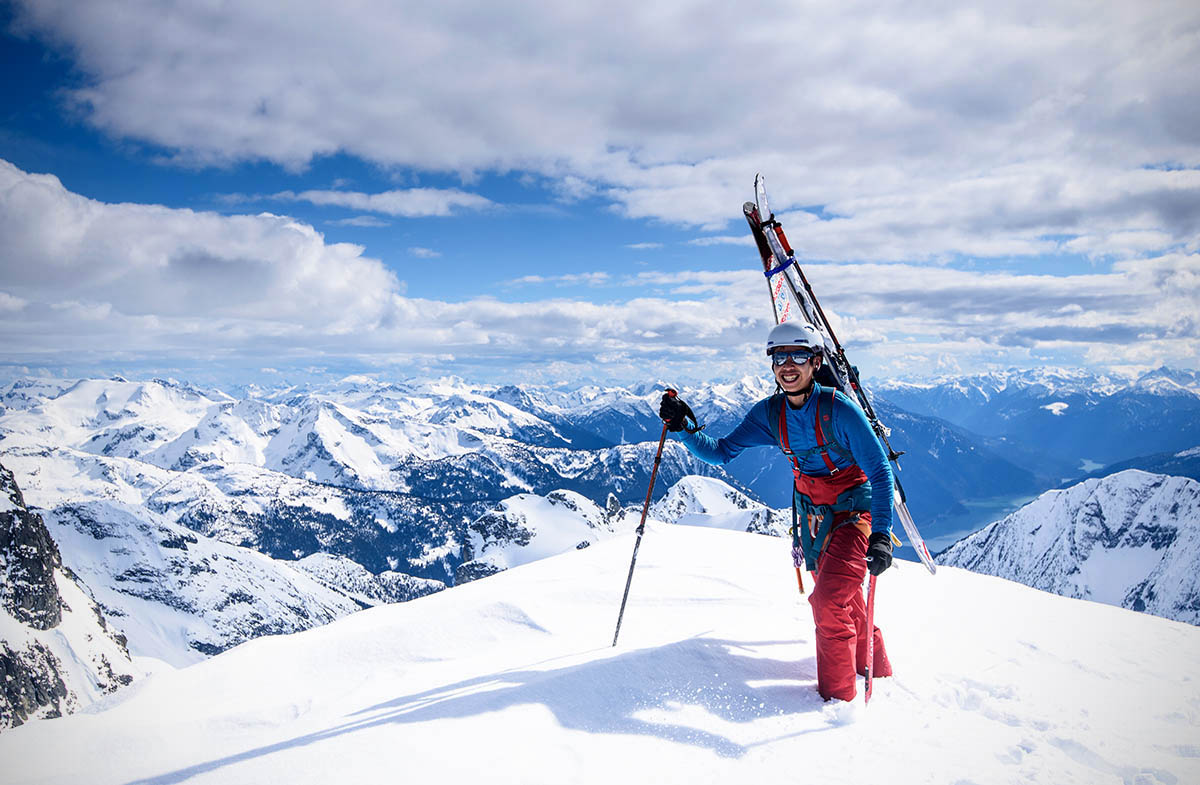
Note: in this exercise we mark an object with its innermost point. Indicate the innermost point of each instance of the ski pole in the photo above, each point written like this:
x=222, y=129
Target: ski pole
x=870, y=640
x=641, y=526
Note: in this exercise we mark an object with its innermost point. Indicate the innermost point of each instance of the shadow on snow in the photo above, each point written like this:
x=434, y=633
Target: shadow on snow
x=600, y=696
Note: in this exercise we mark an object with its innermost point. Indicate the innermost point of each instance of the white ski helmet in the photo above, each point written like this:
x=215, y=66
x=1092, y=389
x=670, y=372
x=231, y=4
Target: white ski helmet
x=794, y=333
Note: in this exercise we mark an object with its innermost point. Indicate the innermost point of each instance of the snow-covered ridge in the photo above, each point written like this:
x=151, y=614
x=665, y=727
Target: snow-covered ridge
x=1049, y=380
x=1130, y=539
x=528, y=527
x=713, y=681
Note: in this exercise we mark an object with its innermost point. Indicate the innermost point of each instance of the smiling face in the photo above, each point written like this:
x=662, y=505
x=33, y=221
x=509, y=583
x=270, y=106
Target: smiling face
x=792, y=378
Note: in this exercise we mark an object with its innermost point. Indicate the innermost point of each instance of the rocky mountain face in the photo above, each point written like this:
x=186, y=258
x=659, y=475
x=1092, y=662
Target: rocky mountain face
x=1130, y=539
x=180, y=596
x=57, y=652
x=364, y=587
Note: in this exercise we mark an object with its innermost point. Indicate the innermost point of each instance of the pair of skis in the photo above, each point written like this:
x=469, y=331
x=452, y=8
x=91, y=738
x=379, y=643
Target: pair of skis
x=793, y=298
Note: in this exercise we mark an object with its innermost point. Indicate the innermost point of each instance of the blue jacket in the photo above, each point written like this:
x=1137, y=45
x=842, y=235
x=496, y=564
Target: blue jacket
x=848, y=427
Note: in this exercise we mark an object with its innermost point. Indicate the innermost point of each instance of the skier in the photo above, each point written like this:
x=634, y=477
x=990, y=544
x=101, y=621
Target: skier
x=842, y=496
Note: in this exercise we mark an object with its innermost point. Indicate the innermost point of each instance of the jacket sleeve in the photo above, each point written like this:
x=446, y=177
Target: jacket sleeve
x=751, y=432
x=855, y=432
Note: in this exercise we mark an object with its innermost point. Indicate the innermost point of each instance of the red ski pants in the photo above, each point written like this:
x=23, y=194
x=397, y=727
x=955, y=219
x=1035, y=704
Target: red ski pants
x=840, y=614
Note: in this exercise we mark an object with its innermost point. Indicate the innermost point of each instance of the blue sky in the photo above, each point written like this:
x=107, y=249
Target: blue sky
x=228, y=194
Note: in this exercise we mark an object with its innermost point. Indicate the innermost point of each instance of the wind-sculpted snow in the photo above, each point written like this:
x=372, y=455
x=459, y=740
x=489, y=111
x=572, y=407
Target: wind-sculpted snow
x=1130, y=539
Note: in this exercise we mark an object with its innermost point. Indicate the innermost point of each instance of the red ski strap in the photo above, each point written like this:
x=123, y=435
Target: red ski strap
x=821, y=442
x=784, y=444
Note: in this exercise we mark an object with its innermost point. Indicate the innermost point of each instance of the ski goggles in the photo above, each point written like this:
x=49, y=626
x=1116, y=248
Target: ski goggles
x=799, y=357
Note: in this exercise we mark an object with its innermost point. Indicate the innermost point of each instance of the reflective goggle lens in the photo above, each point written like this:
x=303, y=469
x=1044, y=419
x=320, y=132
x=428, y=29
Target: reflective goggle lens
x=798, y=357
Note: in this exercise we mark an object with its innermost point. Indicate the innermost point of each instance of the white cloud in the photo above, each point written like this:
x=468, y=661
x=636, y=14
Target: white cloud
x=644, y=246
x=86, y=278
x=567, y=279
x=8, y=303
x=408, y=203
x=926, y=129
x=154, y=261
x=424, y=253
x=723, y=240
x=362, y=221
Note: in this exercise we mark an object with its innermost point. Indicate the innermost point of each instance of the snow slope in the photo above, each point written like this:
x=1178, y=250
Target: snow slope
x=511, y=679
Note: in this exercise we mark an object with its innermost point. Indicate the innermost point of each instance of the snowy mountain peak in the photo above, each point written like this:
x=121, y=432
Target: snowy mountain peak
x=528, y=527
x=1130, y=539
x=711, y=503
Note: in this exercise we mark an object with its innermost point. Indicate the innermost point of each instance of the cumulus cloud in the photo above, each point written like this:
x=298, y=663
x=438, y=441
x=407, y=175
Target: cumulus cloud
x=138, y=281
x=90, y=279
x=133, y=261
x=10, y=303
x=922, y=130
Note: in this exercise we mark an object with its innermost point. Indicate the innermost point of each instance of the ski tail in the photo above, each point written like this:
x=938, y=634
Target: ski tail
x=792, y=297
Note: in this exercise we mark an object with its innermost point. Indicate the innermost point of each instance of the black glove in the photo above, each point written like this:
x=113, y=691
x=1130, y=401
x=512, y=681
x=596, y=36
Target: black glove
x=675, y=413
x=879, y=552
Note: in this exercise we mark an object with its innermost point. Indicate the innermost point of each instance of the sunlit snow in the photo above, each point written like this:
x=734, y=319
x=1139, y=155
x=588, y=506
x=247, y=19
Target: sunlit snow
x=511, y=679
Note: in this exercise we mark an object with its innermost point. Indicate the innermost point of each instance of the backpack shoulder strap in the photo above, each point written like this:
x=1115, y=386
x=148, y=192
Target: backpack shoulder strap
x=822, y=442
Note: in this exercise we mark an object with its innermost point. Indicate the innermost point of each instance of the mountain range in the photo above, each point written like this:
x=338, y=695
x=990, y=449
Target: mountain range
x=1064, y=423
x=201, y=520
